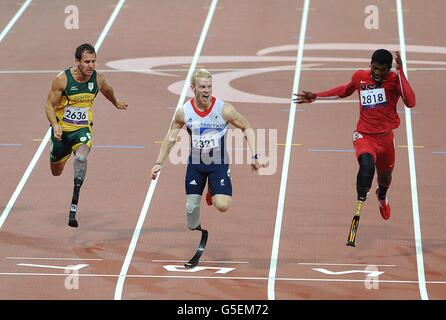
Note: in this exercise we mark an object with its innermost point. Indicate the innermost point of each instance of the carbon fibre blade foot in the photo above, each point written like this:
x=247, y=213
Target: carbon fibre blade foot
x=196, y=258
x=353, y=231
x=72, y=222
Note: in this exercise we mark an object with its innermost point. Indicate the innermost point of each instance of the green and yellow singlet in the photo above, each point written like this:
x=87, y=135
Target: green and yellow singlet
x=75, y=110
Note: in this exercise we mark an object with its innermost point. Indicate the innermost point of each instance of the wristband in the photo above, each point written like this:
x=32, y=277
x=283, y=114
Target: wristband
x=160, y=163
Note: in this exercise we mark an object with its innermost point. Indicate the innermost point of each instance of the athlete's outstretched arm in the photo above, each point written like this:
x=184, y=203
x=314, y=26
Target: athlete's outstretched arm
x=54, y=97
x=331, y=94
x=342, y=91
x=406, y=90
x=235, y=118
x=107, y=91
x=168, y=142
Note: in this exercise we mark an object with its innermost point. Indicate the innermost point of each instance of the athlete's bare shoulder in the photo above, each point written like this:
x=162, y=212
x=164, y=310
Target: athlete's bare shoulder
x=179, y=116
x=100, y=76
x=100, y=79
x=60, y=81
x=228, y=108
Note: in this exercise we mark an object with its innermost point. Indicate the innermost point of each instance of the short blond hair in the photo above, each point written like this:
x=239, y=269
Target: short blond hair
x=200, y=73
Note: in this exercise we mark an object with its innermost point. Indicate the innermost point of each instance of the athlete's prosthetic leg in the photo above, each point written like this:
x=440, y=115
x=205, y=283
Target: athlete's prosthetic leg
x=193, y=223
x=80, y=170
x=363, y=184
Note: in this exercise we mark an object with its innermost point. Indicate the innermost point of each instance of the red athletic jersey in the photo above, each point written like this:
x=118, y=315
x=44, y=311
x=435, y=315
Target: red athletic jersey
x=377, y=101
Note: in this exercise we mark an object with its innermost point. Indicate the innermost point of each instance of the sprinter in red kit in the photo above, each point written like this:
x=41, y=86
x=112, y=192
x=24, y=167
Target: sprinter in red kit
x=378, y=89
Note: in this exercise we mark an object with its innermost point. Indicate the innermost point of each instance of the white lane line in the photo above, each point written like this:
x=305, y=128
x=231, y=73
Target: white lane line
x=58, y=259
x=355, y=280
x=286, y=159
x=153, y=183
x=76, y=267
x=347, y=264
x=14, y=19
x=24, y=178
x=209, y=261
x=2, y=36
x=109, y=24
x=47, y=136
x=210, y=69
x=413, y=175
x=148, y=276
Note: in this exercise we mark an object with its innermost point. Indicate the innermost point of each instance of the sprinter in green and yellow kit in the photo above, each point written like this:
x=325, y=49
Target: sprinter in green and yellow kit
x=69, y=110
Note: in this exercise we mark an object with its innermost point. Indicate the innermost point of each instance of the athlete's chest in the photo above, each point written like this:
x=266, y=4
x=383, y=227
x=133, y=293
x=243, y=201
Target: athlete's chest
x=212, y=120
x=374, y=95
x=81, y=92
x=206, y=132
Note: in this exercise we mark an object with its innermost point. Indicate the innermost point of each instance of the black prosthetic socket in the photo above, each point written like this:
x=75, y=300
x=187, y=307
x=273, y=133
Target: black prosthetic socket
x=365, y=175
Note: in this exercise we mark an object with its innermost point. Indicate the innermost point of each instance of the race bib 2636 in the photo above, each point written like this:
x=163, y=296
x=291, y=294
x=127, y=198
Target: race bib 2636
x=76, y=115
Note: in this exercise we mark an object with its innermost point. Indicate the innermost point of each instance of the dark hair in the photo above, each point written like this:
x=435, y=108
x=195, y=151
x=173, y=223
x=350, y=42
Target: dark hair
x=383, y=56
x=86, y=47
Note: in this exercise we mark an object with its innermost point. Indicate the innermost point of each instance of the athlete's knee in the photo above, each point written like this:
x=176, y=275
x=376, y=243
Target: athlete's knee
x=57, y=168
x=385, y=179
x=81, y=156
x=193, y=210
x=80, y=168
x=222, y=204
x=81, y=153
x=56, y=172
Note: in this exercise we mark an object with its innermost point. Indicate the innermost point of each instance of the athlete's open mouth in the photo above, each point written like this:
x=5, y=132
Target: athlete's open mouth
x=376, y=78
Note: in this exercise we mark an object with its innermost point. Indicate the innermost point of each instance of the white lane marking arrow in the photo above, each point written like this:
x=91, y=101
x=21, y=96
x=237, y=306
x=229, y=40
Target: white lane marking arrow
x=72, y=268
x=175, y=268
x=369, y=273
